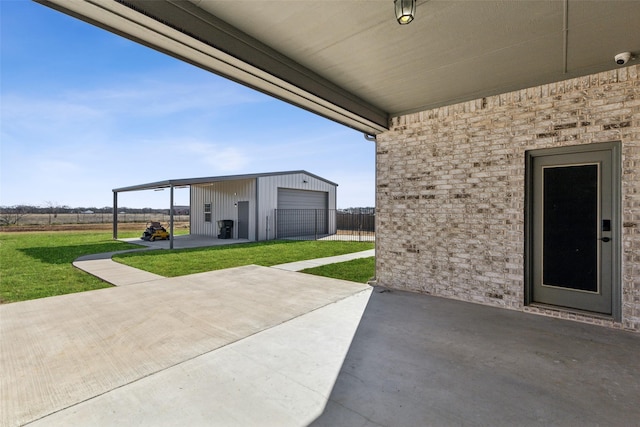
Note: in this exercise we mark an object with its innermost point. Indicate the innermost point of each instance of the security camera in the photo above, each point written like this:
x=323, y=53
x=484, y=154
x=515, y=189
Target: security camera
x=623, y=58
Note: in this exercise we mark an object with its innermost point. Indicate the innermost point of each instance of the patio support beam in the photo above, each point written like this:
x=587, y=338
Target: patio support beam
x=171, y=216
x=115, y=215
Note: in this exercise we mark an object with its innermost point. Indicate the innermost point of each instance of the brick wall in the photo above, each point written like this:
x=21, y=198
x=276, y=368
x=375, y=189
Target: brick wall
x=450, y=188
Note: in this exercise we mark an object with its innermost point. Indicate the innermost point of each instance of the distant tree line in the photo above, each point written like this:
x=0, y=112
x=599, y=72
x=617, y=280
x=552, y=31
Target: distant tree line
x=13, y=215
x=359, y=211
x=30, y=209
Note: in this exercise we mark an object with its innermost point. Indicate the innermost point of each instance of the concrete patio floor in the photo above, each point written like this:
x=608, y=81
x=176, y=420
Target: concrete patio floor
x=257, y=346
x=418, y=360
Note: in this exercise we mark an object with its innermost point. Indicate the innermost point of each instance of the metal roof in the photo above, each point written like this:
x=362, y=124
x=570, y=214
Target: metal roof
x=207, y=180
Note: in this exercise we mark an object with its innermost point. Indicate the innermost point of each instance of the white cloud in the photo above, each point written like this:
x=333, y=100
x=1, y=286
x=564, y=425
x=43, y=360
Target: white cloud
x=40, y=120
x=220, y=158
x=140, y=96
x=137, y=105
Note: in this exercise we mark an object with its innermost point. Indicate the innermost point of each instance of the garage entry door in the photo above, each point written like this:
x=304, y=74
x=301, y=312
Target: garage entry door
x=301, y=213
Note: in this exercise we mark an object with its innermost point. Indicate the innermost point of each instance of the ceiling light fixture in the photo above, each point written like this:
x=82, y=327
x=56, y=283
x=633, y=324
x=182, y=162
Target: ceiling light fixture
x=405, y=11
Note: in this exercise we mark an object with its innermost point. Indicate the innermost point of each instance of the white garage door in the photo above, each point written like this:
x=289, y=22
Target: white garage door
x=301, y=213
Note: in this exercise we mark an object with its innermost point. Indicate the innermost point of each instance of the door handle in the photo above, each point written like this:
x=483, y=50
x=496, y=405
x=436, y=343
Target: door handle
x=605, y=239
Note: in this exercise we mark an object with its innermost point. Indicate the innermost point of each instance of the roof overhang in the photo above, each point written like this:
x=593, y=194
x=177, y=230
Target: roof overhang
x=177, y=183
x=185, y=31
x=351, y=62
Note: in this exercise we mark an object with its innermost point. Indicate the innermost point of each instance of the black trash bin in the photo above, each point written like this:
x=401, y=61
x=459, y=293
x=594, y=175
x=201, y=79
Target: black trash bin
x=225, y=229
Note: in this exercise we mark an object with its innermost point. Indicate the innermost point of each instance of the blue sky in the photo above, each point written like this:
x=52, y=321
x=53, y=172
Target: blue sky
x=84, y=111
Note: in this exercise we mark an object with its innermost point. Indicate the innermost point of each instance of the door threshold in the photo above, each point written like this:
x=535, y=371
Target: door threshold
x=569, y=310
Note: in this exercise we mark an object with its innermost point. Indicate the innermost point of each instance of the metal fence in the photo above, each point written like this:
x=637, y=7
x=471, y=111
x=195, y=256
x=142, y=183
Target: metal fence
x=84, y=218
x=324, y=224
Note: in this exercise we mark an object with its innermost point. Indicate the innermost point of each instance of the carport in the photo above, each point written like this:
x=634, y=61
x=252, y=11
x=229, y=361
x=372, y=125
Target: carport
x=160, y=185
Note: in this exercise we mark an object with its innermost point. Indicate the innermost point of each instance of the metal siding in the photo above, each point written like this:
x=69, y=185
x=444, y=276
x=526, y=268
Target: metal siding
x=191, y=212
x=222, y=196
x=268, y=197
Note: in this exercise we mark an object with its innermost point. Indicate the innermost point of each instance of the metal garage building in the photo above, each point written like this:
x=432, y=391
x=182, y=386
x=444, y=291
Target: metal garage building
x=262, y=206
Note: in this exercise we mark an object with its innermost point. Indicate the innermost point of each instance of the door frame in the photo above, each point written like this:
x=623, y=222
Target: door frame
x=616, y=222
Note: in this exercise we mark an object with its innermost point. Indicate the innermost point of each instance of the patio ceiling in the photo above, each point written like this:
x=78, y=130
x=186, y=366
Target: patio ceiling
x=351, y=62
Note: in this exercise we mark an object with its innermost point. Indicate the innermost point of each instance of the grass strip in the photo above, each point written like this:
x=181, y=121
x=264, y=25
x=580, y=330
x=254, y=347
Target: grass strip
x=172, y=263
x=38, y=264
x=359, y=270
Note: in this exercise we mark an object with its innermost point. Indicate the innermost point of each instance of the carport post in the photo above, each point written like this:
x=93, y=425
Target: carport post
x=115, y=215
x=171, y=217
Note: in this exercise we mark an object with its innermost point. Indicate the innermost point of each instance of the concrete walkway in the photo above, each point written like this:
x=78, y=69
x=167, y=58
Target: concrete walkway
x=301, y=265
x=243, y=346
x=103, y=267
x=115, y=273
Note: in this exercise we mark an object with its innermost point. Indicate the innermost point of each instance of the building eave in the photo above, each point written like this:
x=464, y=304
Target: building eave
x=208, y=180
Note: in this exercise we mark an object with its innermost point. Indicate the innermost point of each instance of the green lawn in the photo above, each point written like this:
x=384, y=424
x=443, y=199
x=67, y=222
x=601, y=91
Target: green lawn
x=171, y=263
x=358, y=270
x=37, y=265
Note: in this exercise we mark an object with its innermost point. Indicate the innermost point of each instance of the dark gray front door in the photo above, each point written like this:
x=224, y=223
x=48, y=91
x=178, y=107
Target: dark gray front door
x=243, y=220
x=574, y=228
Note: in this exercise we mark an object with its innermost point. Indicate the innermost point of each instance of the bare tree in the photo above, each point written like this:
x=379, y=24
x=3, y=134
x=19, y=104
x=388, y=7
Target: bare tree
x=52, y=209
x=13, y=214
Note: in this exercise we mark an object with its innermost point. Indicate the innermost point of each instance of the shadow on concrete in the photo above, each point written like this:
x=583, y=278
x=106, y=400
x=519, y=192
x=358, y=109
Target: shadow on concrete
x=418, y=360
